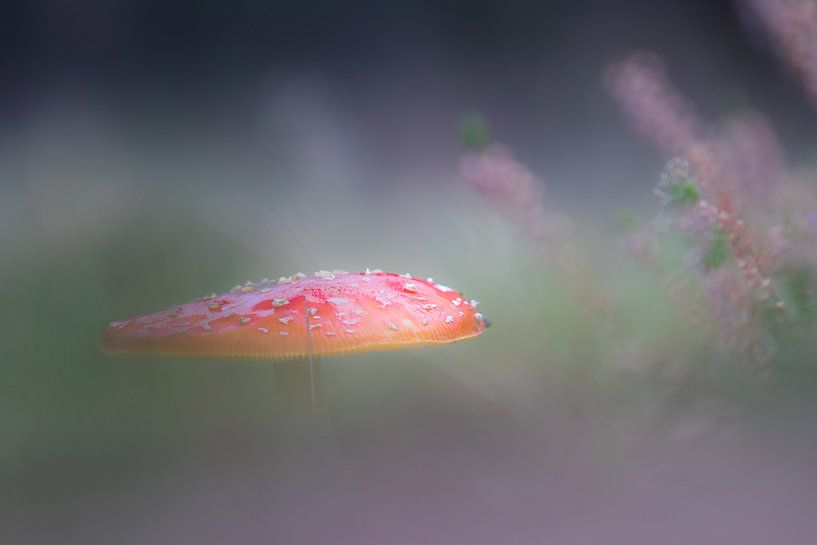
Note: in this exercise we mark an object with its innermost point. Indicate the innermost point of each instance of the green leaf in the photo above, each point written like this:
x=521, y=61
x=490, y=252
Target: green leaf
x=683, y=192
x=474, y=131
x=718, y=253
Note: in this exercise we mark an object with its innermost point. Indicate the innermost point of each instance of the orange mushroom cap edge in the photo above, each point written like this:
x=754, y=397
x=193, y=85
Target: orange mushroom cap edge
x=327, y=313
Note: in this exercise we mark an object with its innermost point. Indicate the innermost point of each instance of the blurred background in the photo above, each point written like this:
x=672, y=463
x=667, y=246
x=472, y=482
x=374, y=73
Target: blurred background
x=152, y=152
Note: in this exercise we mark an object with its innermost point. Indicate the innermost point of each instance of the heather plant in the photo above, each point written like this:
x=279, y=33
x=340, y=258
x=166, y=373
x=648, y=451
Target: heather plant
x=738, y=293
x=490, y=169
x=743, y=216
x=733, y=244
x=792, y=25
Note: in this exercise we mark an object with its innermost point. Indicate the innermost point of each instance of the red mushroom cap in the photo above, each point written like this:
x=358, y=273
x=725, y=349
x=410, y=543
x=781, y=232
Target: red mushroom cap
x=327, y=313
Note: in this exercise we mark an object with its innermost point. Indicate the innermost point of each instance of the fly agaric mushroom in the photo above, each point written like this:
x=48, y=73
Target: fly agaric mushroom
x=301, y=317
x=304, y=316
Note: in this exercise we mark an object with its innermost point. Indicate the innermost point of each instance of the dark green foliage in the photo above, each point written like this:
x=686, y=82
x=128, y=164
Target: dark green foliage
x=474, y=132
x=798, y=286
x=718, y=252
x=683, y=192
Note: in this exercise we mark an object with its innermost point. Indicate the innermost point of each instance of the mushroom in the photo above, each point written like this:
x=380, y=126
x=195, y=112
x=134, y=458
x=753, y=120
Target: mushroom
x=303, y=317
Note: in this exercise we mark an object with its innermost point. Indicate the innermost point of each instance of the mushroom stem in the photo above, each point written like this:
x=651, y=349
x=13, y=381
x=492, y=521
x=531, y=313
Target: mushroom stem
x=313, y=362
x=299, y=392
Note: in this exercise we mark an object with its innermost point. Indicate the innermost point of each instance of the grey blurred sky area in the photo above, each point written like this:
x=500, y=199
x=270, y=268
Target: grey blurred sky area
x=199, y=77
